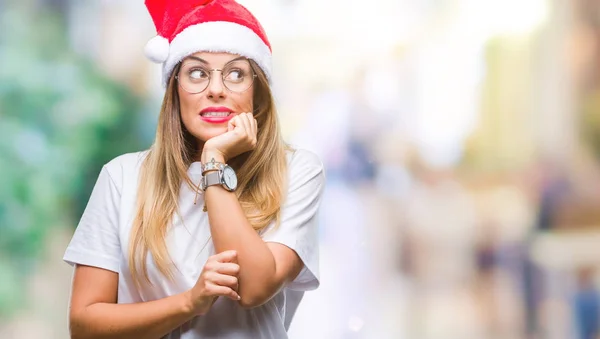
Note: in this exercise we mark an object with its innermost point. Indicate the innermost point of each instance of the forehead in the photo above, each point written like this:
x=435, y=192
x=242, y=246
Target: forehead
x=213, y=59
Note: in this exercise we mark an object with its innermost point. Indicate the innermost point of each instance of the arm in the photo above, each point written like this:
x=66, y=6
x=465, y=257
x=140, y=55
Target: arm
x=94, y=312
x=264, y=267
x=95, y=250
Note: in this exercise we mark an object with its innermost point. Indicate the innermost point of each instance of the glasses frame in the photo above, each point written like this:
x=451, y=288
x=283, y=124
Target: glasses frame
x=210, y=77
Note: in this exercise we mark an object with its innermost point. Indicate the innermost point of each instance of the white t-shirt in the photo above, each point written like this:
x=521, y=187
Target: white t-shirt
x=102, y=237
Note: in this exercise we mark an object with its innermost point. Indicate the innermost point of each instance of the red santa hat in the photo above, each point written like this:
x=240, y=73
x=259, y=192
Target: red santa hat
x=185, y=27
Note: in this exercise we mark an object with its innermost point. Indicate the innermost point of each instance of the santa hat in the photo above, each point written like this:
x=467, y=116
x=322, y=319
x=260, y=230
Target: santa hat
x=185, y=27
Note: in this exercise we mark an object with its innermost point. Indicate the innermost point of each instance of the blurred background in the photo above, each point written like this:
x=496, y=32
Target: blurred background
x=461, y=140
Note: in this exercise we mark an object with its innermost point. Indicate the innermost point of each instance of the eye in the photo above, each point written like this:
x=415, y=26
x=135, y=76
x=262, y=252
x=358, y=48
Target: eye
x=235, y=75
x=197, y=74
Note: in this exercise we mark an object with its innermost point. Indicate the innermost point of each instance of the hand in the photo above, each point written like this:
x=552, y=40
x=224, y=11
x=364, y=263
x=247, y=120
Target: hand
x=241, y=136
x=218, y=278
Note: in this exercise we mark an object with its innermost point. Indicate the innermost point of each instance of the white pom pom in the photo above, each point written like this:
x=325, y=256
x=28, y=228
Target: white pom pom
x=157, y=49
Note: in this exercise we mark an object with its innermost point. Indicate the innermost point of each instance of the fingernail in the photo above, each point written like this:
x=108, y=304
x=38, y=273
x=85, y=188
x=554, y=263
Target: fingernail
x=239, y=298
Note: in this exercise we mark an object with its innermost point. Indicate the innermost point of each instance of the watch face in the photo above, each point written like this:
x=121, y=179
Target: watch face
x=229, y=177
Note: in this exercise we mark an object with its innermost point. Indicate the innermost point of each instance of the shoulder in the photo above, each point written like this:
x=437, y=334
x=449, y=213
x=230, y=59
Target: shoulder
x=303, y=166
x=127, y=159
x=124, y=166
x=303, y=157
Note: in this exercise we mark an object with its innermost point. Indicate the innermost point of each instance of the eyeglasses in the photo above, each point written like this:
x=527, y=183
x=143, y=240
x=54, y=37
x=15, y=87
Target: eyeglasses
x=194, y=77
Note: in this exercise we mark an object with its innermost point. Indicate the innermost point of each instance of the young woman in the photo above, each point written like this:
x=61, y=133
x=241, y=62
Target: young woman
x=211, y=233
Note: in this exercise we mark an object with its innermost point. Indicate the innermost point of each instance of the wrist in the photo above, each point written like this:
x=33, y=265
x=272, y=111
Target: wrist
x=195, y=305
x=208, y=155
x=188, y=303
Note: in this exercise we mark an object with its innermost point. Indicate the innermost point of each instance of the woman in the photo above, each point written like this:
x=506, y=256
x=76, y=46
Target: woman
x=212, y=232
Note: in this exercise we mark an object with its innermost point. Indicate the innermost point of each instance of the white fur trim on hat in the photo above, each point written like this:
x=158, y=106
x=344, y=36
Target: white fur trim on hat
x=218, y=36
x=157, y=49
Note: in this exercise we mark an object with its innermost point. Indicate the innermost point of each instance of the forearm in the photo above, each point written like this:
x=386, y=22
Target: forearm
x=231, y=230
x=150, y=320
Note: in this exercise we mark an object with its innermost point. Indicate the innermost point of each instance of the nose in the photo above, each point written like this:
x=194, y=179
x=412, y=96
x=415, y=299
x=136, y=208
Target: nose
x=216, y=88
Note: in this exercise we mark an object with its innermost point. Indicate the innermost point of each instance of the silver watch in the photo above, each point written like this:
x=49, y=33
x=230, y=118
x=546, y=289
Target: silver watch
x=225, y=177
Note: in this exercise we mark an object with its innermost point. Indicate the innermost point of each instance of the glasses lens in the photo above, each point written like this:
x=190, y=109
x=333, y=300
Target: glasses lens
x=194, y=77
x=238, y=76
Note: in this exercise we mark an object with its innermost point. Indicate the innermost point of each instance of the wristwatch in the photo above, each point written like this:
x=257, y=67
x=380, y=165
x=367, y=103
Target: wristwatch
x=224, y=176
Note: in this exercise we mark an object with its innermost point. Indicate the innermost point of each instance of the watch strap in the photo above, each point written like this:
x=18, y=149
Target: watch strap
x=212, y=178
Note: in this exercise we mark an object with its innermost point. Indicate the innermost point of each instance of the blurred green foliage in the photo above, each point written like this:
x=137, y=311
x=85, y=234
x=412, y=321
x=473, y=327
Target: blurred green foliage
x=60, y=121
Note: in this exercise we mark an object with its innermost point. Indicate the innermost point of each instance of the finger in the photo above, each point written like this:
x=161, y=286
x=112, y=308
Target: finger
x=246, y=122
x=249, y=128
x=224, y=291
x=254, y=126
x=233, y=123
x=226, y=256
x=227, y=268
x=222, y=280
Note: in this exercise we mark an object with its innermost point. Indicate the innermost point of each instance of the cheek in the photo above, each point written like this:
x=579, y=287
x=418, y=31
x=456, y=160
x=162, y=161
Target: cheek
x=244, y=102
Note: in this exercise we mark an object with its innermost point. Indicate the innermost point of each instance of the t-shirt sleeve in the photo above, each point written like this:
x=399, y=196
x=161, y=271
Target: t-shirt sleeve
x=298, y=228
x=96, y=239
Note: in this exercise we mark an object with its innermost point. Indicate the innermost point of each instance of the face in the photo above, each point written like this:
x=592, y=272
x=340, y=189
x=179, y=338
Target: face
x=223, y=94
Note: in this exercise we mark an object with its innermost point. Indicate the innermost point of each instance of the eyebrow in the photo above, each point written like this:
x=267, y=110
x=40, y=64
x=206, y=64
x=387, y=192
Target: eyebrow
x=206, y=62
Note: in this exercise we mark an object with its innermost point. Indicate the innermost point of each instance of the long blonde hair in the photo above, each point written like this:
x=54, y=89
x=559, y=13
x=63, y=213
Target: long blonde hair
x=261, y=176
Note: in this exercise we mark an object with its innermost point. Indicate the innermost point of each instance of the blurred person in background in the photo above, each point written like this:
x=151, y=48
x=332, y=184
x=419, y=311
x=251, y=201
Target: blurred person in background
x=149, y=261
x=586, y=304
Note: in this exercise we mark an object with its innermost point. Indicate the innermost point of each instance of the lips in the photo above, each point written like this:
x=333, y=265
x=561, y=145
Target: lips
x=219, y=112
x=216, y=115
